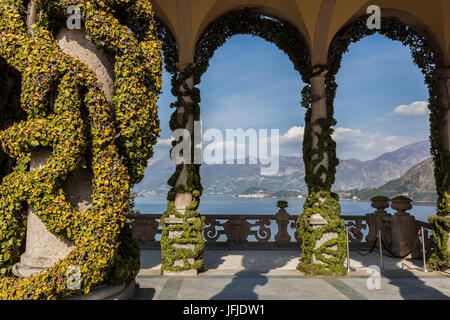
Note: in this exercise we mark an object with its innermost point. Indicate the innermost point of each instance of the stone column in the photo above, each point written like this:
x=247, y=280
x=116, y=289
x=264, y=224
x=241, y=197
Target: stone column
x=448, y=144
x=440, y=221
x=43, y=249
x=319, y=111
x=76, y=43
x=182, y=200
x=446, y=127
x=446, y=138
x=177, y=231
x=322, y=207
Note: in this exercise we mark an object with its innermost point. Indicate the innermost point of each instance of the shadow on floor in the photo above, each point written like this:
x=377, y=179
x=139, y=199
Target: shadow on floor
x=144, y=294
x=243, y=285
x=151, y=258
x=413, y=288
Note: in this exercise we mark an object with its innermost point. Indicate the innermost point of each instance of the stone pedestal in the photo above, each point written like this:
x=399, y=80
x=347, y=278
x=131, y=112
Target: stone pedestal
x=403, y=230
x=317, y=221
x=404, y=236
x=170, y=221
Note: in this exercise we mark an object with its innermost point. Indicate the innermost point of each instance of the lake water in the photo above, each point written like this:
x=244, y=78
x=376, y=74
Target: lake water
x=242, y=206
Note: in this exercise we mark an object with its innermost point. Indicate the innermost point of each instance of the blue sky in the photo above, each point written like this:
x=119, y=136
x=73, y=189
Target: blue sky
x=380, y=104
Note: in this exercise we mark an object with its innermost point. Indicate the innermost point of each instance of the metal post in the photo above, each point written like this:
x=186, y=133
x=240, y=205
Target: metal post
x=349, y=268
x=381, y=250
x=424, y=269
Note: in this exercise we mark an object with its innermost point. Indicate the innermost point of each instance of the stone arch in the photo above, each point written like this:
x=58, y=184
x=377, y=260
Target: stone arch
x=355, y=29
x=185, y=194
x=416, y=24
x=397, y=26
x=295, y=18
x=428, y=55
x=162, y=18
x=411, y=32
x=170, y=44
x=254, y=22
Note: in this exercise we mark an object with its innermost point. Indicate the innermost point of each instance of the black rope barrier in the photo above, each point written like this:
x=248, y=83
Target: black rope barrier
x=389, y=250
x=371, y=249
x=400, y=257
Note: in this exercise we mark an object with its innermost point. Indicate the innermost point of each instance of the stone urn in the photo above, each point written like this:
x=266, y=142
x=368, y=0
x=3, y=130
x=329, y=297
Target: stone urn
x=282, y=204
x=380, y=203
x=401, y=205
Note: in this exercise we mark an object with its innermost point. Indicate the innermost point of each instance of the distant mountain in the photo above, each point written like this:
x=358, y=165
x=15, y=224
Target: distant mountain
x=417, y=183
x=228, y=179
x=355, y=174
x=234, y=179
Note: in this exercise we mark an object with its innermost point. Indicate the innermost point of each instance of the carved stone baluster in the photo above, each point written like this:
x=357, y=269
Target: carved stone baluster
x=356, y=226
x=282, y=221
x=237, y=230
x=263, y=233
x=210, y=232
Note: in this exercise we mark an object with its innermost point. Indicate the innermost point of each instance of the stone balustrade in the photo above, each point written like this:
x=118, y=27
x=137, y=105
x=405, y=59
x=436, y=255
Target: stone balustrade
x=278, y=230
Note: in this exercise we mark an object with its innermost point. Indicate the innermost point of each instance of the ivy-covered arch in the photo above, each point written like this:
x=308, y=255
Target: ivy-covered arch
x=176, y=256
x=251, y=22
x=429, y=59
x=117, y=141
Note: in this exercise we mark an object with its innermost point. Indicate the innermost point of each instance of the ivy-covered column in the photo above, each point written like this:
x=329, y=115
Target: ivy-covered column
x=182, y=243
x=42, y=249
x=320, y=226
x=68, y=112
x=440, y=141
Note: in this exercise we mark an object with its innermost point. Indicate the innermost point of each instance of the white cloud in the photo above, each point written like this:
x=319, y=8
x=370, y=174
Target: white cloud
x=293, y=134
x=351, y=143
x=355, y=143
x=164, y=142
x=415, y=109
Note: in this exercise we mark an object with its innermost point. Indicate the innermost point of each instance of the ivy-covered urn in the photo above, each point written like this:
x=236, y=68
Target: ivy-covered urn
x=401, y=204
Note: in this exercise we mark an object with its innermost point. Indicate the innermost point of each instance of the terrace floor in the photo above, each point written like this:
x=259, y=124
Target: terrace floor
x=271, y=274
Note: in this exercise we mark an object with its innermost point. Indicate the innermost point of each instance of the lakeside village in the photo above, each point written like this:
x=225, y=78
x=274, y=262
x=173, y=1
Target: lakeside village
x=255, y=192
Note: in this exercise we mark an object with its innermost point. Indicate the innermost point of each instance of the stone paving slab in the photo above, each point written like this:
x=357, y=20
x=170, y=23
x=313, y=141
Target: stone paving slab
x=271, y=262
x=253, y=287
x=271, y=275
